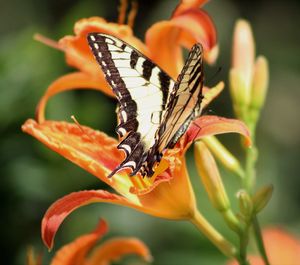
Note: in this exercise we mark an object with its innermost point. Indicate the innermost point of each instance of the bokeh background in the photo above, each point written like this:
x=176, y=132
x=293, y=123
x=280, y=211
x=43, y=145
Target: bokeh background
x=33, y=177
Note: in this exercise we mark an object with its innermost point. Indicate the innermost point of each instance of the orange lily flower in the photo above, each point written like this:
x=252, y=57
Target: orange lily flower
x=77, y=252
x=168, y=194
x=281, y=248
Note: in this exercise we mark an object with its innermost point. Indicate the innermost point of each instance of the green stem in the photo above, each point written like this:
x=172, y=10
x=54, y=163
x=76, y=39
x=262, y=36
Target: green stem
x=243, y=247
x=249, y=181
x=232, y=221
x=250, y=174
x=213, y=235
x=259, y=240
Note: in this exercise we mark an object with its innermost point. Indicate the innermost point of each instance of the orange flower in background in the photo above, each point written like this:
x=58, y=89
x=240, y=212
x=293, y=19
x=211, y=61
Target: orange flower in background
x=81, y=251
x=168, y=194
x=282, y=248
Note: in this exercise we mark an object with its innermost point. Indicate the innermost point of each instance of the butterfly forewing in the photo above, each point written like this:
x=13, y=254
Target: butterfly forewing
x=142, y=90
x=184, y=103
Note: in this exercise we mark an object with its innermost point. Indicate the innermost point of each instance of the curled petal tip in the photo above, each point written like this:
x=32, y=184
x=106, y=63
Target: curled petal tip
x=212, y=55
x=213, y=125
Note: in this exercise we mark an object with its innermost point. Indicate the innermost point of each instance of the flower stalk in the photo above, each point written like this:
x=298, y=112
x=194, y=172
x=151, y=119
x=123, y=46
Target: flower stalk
x=259, y=240
x=213, y=235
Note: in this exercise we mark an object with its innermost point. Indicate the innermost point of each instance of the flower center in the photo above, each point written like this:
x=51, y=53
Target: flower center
x=140, y=183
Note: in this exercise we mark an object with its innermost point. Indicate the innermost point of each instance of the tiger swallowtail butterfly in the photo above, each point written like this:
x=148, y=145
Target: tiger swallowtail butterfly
x=154, y=110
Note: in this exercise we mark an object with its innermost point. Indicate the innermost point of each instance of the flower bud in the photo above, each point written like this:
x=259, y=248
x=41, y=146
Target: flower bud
x=211, y=179
x=242, y=62
x=237, y=89
x=223, y=155
x=259, y=87
x=262, y=197
x=245, y=203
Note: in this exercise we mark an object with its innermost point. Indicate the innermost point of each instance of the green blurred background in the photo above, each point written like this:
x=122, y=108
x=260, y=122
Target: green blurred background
x=33, y=177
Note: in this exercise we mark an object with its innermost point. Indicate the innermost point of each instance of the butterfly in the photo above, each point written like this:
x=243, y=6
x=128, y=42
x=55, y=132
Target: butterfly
x=154, y=111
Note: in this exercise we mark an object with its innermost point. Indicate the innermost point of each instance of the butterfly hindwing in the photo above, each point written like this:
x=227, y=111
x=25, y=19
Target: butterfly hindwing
x=142, y=90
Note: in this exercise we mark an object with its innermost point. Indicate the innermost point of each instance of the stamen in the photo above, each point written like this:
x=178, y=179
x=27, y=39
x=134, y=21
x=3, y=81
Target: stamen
x=132, y=13
x=122, y=11
x=82, y=130
x=148, y=181
x=136, y=182
x=77, y=123
x=47, y=41
x=141, y=183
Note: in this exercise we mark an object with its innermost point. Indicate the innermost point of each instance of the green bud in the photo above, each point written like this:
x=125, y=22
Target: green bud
x=245, y=203
x=223, y=155
x=260, y=83
x=262, y=197
x=239, y=98
x=210, y=176
x=259, y=89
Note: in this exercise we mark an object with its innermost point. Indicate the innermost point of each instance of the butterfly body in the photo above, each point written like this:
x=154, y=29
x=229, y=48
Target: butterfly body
x=154, y=111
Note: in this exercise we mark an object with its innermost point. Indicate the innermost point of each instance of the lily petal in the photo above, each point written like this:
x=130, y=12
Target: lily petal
x=161, y=202
x=187, y=4
x=162, y=40
x=97, y=153
x=59, y=210
x=197, y=26
x=77, y=80
x=172, y=199
x=114, y=249
x=212, y=125
x=77, y=51
x=92, y=150
x=165, y=38
x=75, y=252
